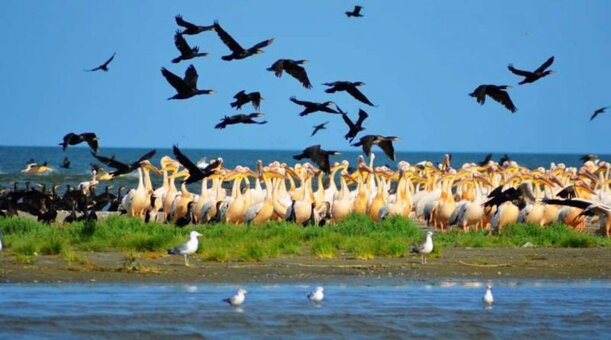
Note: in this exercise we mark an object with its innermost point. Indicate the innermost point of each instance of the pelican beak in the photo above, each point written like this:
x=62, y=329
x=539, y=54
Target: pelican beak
x=152, y=168
x=184, y=173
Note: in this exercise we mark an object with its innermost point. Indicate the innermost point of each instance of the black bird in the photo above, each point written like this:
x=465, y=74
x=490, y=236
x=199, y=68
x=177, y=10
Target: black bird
x=517, y=196
x=589, y=209
x=195, y=174
x=311, y=107
x=122, y=168
x=599, y=111
x=588, y=157
x=114, y=203
x=74, y=139
x=495, y=92
x=530, y=77
x=186, y=51
x=190, y=28
x=351, y=88
x=486, y=160
x=66, y=163
x=356, y=12
x=187, y=86
x=319, y=127
x=318, y=155
x=504, y=160
x=186, y=220
x=385, y=143
x=568, y=192
x=353, y=128
x=103, y=67
x=292, y=67
x=237, y=51
x=239, y=119
x=242, y=98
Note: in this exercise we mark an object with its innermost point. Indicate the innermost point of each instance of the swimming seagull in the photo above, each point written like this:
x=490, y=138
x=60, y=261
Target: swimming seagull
x=425, y=248
x=488, y=299
x=317, y=295
x=237, y=299
x=187, y=248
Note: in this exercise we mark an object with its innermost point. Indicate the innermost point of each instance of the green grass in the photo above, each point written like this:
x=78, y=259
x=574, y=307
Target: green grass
x=356, y=237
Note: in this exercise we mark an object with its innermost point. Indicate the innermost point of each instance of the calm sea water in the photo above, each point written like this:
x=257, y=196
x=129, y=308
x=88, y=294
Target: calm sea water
x=386, y=309
x=13, y=159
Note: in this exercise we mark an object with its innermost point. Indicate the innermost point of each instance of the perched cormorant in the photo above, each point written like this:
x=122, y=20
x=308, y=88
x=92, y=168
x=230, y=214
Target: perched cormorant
x=356, y=12
x=239, y=119
x=495, y=92
x=318, y=155
x=530, y=77
x=185, y=87
x=353, y=128
x=292, y=67
x=196, y=174
x=242, y=98
x=190, y=28
x=103, y=67
x=188, y=218
x=186, y=51
x=385, y=143
x=599, y=111
x=74, y=139
x=122, y=168
x=237, y=51
x=319, y=127
x=311, y=107
x=351, y=88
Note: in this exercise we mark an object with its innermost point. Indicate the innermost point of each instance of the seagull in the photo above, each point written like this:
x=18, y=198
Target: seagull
x=425, y=248
x=488, y=299
x=237, y=299
x=187, y=248
x=317, y=295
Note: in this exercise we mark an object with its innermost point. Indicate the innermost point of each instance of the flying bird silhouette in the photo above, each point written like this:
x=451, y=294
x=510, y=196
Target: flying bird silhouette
x=350, y=87
x=311, y=107
x=319, y=127
x=318, y=155
x=74, y=139
x=185, y=87
x=186, y=52
x=353, y=128
x=239, y=119
x=124, y=168
x=597, y=112
x=531, y=77
x=190, y=28
x=242, y=98
x=195, y=173
x=385, y=143
x=495, y=92
x=237, y=51
x=103, y=67
x=356, y=12
x=292, y=67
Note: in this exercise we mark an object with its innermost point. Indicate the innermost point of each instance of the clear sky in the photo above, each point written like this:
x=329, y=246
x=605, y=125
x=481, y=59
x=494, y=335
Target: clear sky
x=419, y=60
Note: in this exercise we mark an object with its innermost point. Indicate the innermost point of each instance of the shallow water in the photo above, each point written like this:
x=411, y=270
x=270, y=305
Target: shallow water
x=429, y=309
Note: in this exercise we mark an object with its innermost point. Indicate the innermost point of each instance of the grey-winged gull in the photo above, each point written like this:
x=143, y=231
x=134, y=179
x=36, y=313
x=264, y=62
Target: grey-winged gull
x=187, y=248
x=317, y=295
x=425, y=248
x=238, y=298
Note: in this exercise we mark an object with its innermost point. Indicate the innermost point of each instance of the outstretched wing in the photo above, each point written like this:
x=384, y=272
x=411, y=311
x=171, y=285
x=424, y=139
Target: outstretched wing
x=301, y=102
x=362, y=116
x=181, y=44
x=191, y=76
x=147, y=156
x=358, y=95
x=581, y=204
x=348, y=121
x=262, y=44
x=109, y=60
x=184, y=161
x=503, y=98
x=518, y=72
x=181, y=22
x=227, y=39
x=387, y=147
x=545, y=65
x=92, y=140
x=176, y=82
x=298, y=73
x=110, y=162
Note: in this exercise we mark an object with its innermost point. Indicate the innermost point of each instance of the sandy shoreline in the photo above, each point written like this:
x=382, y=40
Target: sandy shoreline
x=457, y=263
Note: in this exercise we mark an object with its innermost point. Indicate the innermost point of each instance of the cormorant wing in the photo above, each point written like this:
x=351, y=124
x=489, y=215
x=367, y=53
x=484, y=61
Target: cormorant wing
x=348, y=121
x=227, y=39
x=357, y=10
x=262, y=44
x=301, y=102
x=255, y=98
x=358, y=95
x=577, y=203
x=366, y=142
x=92, y=140
x=191, y=76
x=177, y=83
x=486, y=160
x=298, y=73
x=545, y=65
x=518, y=72
x=109, y=60
x=387, y=147
x=239, y=94
x=110, y=162
x=362, y=116
x=185, y=162
x=597, y=112
x=146, y=156
x=181, y=22
x=502, y=97
x=67, y=139
x=181, y=44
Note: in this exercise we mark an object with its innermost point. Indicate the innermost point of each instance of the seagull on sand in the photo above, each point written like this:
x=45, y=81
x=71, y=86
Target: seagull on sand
x=187, y=248
x=237, y=299
x=317, y=295
x=488, y=299
x=425, y=248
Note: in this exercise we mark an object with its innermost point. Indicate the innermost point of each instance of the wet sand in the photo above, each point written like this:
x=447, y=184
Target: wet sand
x=458, y=263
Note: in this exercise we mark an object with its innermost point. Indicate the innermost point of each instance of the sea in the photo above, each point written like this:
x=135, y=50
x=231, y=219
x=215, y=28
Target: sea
x=14, y=158
x=387, y=309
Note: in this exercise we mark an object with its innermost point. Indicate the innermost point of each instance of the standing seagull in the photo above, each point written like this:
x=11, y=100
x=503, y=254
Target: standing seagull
x=237, y=51
x=350, y=87
x=103, y=67
x=185, y=87
x=187, y=248
x=599, y=111
x=425, y=248
x=292, y=67
x=186, y=51
x=531, y=77
x=237, y=299
x=495, y=92
x=356, y=12
x=488, y=299
x=319, y=127
x=317, y=295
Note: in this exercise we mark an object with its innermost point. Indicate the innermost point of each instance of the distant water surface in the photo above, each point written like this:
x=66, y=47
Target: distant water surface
x=382, y=309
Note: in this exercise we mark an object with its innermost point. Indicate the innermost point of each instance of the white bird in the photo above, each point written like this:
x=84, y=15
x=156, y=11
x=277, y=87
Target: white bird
x=187, y=248
x=238, y=298
x=317, y=295
x=0, y=239
x=488, y=299
x=426, y=248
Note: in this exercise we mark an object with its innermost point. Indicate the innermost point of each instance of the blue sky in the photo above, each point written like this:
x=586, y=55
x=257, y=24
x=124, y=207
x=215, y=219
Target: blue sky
x=418, y=59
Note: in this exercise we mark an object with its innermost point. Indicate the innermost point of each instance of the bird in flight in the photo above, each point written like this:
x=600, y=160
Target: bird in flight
x=319, y=127
x=351, y=88
x=599, y=111
x=123, y=168
x=385, y=143
x=240, y=119
x=196, y=174
x=311, y=107
x=103, y=67
x=190, y=28
x=353, y=128
x=497, y=93
x=356, y=12
x=531, y=77
x=318, y=155
x=294, y=68
x=185, y=87
x=74, y=139
x=237, y=51
x=186, y=51
x=242, y=98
